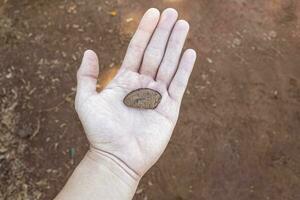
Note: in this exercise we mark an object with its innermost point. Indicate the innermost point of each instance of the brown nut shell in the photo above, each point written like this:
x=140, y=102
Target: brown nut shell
x=143, y=98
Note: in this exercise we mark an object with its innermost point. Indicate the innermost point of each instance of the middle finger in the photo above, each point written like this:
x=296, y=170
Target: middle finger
x=156, y=48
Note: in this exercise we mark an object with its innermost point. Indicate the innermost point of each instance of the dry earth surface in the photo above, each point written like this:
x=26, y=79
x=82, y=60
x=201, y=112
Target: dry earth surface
x=238, y=136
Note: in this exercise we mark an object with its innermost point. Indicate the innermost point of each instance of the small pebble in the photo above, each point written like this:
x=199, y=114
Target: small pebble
x=72, y=152
x=209, y=60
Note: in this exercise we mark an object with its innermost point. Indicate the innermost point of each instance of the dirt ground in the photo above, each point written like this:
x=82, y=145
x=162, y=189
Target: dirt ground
x=238, y=136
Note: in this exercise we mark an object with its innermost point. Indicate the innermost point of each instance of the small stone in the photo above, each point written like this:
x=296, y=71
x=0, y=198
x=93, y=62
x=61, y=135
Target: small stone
x=9, y=75
x=72, y=152
x=139, y=191
x=113, y=13
x=273, y=34
x=143, y=98
x=130, y=19
x=275, y=94
x=209, y=60
x=237, y=42
x=150, y=183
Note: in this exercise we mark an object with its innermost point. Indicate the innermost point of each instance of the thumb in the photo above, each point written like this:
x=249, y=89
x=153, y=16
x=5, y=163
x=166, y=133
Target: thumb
x=87, y=76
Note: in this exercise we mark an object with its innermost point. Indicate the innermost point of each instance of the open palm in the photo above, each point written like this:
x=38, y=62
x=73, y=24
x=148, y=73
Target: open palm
x=135, y=138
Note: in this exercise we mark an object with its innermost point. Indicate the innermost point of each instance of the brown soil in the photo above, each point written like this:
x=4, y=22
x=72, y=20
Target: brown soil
x=238, y=136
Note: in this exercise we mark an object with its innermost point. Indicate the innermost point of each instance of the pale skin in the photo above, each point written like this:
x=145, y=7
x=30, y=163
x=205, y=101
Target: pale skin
x=125, y=142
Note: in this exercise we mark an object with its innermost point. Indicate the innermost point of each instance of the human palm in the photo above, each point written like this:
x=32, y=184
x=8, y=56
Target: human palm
x=135, y=138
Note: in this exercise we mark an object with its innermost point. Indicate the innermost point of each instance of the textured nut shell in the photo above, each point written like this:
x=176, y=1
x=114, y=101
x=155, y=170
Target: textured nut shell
x=143, y=98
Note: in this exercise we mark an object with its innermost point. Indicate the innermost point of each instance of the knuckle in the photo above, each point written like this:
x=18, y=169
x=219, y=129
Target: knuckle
x=163, y=30
x=147, y=71
x=165, y=73
x=169, y=62
x=153, y=52
x=136, y=48
x=175, y=43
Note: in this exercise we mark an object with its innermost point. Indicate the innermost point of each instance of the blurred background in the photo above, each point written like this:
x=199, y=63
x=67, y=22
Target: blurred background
x=238, y=136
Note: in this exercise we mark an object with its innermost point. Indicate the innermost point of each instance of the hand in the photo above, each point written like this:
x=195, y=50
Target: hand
x=135, y=138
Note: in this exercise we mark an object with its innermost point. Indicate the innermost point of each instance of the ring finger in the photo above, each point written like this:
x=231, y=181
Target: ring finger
x=171, y=58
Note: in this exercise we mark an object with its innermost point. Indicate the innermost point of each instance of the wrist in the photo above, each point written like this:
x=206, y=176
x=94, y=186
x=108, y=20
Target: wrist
x=98, y=177
x=115, y=168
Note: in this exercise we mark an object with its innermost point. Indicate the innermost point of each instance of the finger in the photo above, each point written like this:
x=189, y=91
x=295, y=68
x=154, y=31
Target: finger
x=87, y=76
x=170, y=61
x=156, y=48
x=180, y=80
x=139, y=41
